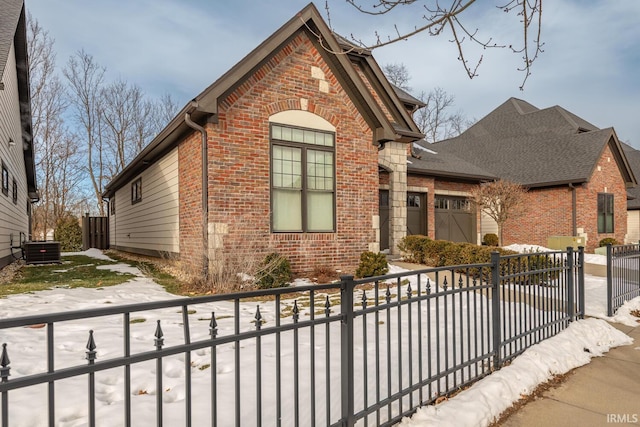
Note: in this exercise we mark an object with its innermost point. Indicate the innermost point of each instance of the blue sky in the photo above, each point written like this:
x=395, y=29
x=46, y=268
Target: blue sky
x=589, y=65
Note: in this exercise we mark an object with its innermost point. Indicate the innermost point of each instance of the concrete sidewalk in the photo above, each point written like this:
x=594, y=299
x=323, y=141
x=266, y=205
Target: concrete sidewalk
x=604, y=392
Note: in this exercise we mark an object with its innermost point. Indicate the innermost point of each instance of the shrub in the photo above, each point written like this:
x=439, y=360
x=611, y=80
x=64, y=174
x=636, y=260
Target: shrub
x=69, y=233
x=372, y=264
x=274, y=272
x=608, y=240
x=413, y=247
x=490, y=239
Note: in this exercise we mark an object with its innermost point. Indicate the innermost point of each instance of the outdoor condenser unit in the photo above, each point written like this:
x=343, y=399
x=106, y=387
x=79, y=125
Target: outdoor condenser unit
x=42, y=252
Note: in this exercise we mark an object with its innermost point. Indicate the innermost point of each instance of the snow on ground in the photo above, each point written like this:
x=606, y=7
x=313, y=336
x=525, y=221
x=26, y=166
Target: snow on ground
x=485, y=400
x=477, y=406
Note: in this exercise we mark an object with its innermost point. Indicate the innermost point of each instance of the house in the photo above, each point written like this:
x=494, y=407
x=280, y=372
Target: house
x=18, y=188
x=633, y=197
x=577, y=175
x=281, y=153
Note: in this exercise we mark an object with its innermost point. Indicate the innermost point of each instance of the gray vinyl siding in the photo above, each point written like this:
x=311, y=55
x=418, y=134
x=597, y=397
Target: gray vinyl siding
x=13, y=216
x=633, y=226
x=487, y=225
x=152, y=223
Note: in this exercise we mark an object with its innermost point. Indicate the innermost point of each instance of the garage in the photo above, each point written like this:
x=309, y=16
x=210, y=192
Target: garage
x=455, y=219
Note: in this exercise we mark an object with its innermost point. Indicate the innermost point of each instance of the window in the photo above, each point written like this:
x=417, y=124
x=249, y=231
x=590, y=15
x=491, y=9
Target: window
x=112, y=205
x=14, y=195
x=302, y=180
x=605, y=213
x=5, y=180
x=136, y=191
x=413, y=200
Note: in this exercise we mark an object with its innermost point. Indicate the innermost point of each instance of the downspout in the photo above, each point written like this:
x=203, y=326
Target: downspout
x=574, y=220
x=205, y=185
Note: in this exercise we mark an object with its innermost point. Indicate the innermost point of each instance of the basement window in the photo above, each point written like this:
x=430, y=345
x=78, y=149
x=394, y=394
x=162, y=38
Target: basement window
x=605, y=213
x=136, y=191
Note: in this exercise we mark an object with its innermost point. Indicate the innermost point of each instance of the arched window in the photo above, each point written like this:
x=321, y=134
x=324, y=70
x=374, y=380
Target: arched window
x=303, y=173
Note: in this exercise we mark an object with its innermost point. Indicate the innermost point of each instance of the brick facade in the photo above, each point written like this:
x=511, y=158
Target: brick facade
x=239, y=167
x=549, y=211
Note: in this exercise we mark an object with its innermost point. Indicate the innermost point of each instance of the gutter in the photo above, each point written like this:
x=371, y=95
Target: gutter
x=205, y=184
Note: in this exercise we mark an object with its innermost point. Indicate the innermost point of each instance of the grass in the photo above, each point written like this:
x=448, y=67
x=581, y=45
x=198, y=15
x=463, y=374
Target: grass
x=77, y=271
x=151, y=270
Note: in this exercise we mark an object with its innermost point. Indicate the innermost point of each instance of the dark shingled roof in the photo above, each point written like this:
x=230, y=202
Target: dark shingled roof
x=9, y=16
x=443, y=164
x=534, y=147
x=633, y=156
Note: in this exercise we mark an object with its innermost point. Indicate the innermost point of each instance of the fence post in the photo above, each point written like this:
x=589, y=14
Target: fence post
x=495, y=311
x=346, y=350
x=609, y=280
x=570, y=285
x=581, y=282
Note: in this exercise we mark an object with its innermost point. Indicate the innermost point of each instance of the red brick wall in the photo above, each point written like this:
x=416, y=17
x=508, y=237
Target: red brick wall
x=608, y=177
x=549, y=211
x=190, y=206
x=239, y=153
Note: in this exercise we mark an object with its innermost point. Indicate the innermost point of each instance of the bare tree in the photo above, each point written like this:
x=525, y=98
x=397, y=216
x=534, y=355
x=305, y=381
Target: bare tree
x=435, y=119
x=56, y=151
x=445, y=16
x=398, y=75
x=502, y=200
x=86, y=79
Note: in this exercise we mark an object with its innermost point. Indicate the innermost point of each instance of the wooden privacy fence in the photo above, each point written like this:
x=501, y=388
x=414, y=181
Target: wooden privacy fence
x=95, y=232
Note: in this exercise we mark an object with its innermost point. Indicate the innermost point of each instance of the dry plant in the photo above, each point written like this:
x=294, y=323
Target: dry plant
x=233, y=259
x=502, y=200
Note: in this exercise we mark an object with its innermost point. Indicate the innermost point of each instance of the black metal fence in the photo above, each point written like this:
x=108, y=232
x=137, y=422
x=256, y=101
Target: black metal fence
x=623, y=275
x=355, y=352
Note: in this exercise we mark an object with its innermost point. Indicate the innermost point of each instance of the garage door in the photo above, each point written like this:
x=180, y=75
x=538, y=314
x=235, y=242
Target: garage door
x=384, y=219
x=455, y=219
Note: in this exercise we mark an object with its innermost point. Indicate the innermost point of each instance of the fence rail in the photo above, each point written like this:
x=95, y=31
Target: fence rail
x=356, y=352
x=623, y=275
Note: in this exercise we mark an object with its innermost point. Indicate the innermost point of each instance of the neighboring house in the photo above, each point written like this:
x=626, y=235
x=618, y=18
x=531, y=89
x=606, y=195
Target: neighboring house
x=292, y=138
x=18, y=189
x=577, y=175
x=633, y=197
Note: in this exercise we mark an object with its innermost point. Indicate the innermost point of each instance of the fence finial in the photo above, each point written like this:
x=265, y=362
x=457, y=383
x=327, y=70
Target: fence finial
x=159, y=341
x=91, y=348
x=4, y=363
x=258, y=318
x=213, y=325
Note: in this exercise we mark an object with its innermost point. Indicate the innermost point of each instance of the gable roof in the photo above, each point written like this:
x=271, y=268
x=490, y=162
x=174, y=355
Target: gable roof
x=536, y=148
x=8, y=23
x=399, y=126
x=13, y=31
x=633, y=194
x=429, y=161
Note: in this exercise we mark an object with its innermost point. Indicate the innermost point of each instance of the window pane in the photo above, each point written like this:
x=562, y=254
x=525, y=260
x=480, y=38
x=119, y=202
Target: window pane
x=320, y=211
x=287, y=210
x=298, y=135
x=276, y=132
x=287, y=167
x=601, y=223
x=609, y=223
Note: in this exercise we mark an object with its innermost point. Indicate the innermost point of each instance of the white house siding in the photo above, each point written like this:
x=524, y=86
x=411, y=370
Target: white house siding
x=633, y=227
x=151, y=225
x=13, y=216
